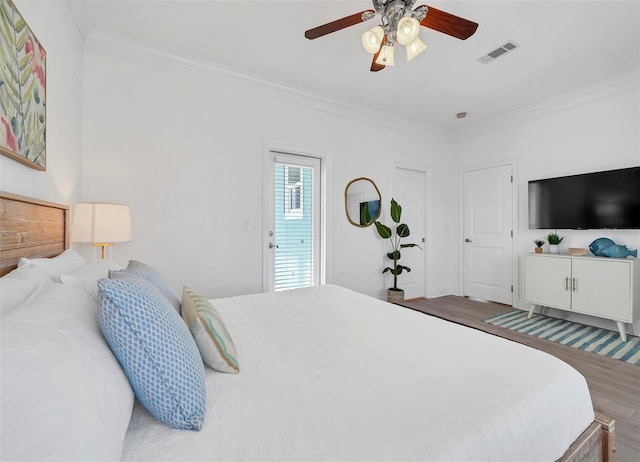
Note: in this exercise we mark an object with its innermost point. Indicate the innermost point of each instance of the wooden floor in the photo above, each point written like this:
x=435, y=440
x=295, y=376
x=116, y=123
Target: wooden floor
x=614, y=384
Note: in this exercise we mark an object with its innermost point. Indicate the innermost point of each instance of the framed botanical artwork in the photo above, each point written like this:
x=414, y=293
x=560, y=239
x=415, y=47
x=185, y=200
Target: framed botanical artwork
x=22, y=90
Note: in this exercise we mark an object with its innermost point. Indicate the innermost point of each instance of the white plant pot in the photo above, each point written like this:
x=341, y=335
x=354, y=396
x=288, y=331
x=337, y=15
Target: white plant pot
x=554, y=248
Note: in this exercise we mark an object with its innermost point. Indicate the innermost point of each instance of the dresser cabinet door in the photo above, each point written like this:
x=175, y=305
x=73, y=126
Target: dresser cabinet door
x=545, y=281
x=602, y=288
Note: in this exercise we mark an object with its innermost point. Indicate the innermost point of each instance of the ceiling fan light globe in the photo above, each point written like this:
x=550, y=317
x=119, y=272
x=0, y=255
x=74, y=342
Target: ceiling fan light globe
x=379, y=31
x=385, y=58
x=408, y=30
x=415, y=48
x=372, y=39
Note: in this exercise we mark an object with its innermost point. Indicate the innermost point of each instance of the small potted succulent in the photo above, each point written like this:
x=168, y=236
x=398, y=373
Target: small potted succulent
x=539, y=243
x=554, y=242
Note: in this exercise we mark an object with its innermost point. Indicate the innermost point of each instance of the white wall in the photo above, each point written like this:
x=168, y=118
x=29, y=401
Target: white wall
x=591, y=131
x=56, y=30
x=183, y=144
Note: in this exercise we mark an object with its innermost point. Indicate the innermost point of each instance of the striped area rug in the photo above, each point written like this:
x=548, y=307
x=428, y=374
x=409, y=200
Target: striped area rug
x=601, y=341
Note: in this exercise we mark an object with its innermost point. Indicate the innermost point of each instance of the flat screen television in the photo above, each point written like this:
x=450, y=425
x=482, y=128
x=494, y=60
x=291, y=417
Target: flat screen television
x=601, y=200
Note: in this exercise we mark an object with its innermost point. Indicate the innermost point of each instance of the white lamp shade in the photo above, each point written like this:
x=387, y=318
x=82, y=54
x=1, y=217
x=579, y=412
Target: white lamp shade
x=372, y=39
x=415, y=48
x=99, y=222
x=408, y=30
x=385, y=58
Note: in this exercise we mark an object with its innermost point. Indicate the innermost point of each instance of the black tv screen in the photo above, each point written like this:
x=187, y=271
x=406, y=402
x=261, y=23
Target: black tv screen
x=598, y=200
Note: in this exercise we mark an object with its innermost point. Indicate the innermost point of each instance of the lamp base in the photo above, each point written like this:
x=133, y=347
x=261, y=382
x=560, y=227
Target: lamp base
x=102, y=246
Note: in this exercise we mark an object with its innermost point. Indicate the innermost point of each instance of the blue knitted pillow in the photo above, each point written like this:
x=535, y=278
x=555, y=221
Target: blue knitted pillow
x=154, y=277
x=156, y=351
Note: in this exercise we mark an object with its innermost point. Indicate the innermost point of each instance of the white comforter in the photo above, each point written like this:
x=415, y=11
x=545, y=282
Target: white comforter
x=329, y=374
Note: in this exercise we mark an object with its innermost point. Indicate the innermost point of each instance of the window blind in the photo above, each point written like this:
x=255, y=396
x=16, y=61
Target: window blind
x=294, y=226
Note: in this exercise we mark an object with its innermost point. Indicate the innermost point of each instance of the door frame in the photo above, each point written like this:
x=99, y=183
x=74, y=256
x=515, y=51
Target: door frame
x=515, y=241
x=426, y=226
x=268, y=147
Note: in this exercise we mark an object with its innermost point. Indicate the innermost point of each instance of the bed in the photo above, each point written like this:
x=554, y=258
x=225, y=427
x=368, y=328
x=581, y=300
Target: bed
x=325, y=374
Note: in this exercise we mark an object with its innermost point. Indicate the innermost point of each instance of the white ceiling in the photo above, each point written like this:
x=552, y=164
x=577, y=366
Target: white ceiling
x=565, y=46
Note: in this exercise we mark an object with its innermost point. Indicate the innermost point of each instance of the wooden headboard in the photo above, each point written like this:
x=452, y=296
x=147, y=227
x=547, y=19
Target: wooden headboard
x=30, y=228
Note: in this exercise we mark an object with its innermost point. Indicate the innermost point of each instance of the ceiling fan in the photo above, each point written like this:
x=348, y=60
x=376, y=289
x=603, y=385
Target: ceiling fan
x=401, y=25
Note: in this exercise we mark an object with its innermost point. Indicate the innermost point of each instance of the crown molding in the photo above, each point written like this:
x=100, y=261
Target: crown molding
x=114, y=47
x=625, y=83
x=130, y=51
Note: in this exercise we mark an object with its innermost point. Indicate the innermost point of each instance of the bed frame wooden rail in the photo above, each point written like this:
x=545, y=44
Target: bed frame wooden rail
x=596, y=444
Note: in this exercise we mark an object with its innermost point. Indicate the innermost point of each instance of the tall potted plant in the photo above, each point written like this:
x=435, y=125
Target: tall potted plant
x=401, y=231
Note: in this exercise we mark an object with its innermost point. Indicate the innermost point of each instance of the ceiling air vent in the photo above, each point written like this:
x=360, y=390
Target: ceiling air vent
x=500, y=51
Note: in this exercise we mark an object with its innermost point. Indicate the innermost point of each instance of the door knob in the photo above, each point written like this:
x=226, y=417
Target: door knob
x=467, y=240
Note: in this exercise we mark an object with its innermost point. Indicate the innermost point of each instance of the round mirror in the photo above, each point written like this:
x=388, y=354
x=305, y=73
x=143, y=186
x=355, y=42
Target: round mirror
x=362, y=202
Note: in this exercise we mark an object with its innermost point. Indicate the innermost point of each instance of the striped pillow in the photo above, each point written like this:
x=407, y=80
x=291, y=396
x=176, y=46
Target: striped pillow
x=211, y=335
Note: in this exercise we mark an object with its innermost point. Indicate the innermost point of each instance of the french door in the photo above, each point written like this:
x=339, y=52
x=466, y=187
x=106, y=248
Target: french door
x=292, y=203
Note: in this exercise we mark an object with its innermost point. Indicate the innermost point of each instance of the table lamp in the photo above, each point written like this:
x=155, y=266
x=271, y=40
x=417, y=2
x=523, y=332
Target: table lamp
x=101, y=224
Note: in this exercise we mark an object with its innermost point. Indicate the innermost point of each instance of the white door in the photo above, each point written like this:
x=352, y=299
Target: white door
x=488, y=234
x=409, y=190
x=292, y=203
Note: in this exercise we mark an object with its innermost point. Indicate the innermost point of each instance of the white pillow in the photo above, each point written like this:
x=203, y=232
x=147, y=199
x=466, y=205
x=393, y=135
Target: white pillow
x=64, y=394
x=30, y=272
x=13, y=292
x=86, y=278
x=67, y=262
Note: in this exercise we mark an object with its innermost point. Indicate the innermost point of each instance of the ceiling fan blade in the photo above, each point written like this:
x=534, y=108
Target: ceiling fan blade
x=375, y=67
x=337, y=25
x=449, y=24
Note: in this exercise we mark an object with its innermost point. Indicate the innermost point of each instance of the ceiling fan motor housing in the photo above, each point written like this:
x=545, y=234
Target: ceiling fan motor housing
x=392, y=11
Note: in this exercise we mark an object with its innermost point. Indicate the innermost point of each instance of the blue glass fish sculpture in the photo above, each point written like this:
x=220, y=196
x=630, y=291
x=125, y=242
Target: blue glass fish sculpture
x=619, y=251
x=597, y=247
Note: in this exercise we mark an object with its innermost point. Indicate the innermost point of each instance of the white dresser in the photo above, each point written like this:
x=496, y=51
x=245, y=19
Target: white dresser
x=598, y=286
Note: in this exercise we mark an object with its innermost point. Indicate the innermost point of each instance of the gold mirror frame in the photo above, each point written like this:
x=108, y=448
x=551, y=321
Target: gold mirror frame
x=375, y=216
